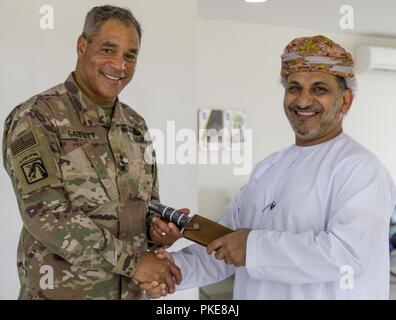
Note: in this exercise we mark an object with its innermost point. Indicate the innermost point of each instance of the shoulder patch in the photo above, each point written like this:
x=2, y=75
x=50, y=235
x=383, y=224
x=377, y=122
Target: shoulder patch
x=33, y=168
x=23, y=143
x=33, y=163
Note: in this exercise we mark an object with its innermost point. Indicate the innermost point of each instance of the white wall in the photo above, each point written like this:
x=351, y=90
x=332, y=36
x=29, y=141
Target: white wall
x=186, y=63
x=32, y=60
x=238, y=67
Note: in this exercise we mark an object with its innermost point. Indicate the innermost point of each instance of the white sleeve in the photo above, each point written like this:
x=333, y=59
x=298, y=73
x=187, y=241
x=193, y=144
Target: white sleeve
x=197, y=267
x=361, y=202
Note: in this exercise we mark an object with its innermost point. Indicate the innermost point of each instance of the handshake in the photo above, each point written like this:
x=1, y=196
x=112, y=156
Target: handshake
x=157, y=273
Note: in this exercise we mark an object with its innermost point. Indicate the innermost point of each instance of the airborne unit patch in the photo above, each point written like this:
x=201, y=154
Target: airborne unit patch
x=33, y=164
x=34, y=169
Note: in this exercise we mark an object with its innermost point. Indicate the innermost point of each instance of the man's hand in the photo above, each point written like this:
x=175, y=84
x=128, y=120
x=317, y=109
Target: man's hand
x=154, y=289
x=231, y=248
x=165, y=234
x=163, y=271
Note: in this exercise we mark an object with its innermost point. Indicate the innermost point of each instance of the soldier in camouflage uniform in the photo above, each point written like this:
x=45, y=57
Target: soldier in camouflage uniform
x=76, y=157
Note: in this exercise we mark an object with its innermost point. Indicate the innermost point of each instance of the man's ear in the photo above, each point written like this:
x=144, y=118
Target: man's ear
x=347, y=98
x=81, y=46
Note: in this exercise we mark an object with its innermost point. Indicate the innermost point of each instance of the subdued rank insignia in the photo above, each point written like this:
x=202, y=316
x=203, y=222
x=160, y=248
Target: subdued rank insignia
x=34, y=170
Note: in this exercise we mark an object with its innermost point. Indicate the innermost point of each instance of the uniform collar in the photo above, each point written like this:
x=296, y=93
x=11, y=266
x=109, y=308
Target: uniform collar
x=90, y=113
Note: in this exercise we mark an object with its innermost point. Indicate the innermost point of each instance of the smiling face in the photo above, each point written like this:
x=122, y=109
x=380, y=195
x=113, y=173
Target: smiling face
x=107, y=63
x=315, y=105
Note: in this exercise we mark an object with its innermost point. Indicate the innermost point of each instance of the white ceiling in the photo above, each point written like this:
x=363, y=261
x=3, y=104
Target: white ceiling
x=370, y=17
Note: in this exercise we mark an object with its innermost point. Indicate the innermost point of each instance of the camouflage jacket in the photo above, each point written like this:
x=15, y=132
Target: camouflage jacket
x=82, y=185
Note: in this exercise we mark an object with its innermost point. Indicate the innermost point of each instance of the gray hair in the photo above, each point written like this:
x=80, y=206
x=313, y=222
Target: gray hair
x=343, y=83
x=97, y=16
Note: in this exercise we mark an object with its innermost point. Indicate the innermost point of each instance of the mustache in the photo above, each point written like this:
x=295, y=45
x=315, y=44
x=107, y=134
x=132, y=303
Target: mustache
x=313, y=108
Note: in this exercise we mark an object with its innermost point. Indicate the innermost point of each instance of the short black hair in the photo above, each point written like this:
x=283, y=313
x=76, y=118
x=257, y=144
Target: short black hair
x=97, y=16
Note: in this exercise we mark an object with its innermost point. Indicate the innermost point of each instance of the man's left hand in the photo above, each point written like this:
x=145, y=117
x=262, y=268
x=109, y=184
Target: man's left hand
x=163, y=233
x=231, y=248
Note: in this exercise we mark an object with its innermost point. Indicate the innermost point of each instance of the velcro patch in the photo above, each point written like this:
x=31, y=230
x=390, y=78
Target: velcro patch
x=33, y=168
x=34, y=165
x=23, y=143
x=75, y=134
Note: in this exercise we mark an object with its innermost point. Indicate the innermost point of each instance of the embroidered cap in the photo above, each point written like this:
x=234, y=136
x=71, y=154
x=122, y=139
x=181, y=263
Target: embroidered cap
x=318, y=53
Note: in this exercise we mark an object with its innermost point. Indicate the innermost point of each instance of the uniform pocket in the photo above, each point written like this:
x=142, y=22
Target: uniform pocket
x=148, y=173
x=135, y=167
x=86, y=176
x=146, y=181
x=141, y=171
x=101, y=171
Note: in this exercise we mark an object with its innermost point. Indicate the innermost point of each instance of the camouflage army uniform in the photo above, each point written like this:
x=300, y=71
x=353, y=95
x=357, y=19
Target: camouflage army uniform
x=82, y=187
